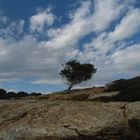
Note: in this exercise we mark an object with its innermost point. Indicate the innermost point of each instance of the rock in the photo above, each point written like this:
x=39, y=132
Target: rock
x=79, y=115
x=104, y=94
x=60, y=119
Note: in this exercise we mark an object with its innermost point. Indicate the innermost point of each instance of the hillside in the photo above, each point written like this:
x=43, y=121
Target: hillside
x=86, y=114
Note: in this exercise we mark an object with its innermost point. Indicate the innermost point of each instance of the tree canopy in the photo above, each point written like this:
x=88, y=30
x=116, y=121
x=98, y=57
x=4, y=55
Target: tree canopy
x=74, y=73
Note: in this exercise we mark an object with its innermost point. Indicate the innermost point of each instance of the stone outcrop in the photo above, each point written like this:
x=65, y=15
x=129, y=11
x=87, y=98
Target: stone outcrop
x=102, y=113
x=64, y=119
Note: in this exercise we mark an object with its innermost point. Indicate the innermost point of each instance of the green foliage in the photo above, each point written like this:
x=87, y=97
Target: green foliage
x=11, y=94
x=75, y=73
x=35, y=94
x=7, y=95
x=21, y=94
x=2, y=93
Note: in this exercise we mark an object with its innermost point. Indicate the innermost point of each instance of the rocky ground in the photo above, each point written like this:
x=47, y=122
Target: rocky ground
x=70, y=116
x=61, y=119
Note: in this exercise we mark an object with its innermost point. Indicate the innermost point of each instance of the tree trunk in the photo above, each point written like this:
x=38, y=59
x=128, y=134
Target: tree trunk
x=70, y=86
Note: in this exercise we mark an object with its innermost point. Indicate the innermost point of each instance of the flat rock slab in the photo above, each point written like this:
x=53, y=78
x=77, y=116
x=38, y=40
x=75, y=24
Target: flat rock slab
x=104, y=94
x=43, y=119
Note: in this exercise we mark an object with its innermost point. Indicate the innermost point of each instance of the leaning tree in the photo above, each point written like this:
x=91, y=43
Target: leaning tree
x=74, y=73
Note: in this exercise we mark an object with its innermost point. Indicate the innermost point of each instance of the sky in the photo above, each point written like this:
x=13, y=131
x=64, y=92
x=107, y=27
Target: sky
x=38, y=36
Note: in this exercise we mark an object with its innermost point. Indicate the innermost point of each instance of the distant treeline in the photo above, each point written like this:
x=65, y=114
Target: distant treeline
x=7, y=95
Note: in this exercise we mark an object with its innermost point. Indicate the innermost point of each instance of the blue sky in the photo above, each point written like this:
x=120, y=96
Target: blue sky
x=38, y=36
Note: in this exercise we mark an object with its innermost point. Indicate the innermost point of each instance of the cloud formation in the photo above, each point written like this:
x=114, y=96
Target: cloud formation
x=129, y=26
x=43, y=18
x=108, y=23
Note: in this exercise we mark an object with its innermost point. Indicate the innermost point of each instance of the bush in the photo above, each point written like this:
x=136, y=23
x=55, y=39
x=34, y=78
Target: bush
x=7, y=95
x=34, y=94
x=129, y=90
x=3, y=94
x=11, y=94
x=21, y=94
x=123, y=84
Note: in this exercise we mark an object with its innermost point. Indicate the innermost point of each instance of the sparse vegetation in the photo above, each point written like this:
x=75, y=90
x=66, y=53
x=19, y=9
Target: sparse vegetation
x=35, y=94
x=7, y=95
x=2, y=93
x=122, y=84
x=128, y=90
x=75, y=73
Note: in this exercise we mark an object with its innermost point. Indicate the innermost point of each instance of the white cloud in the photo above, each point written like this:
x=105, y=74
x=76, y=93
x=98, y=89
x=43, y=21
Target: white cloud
x=69, y=35
x=82, y=12
x=101, y=44
x=3, y=19
x=106, y=11
x=12, y=29
x=41, y=19
x=30, y=57
x=129, y=26
x=83, y=21
x=49, y=81
x=106, y=41
x=127, y=59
